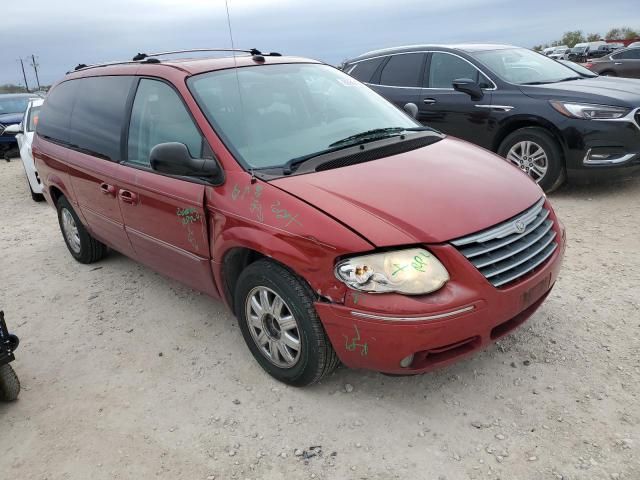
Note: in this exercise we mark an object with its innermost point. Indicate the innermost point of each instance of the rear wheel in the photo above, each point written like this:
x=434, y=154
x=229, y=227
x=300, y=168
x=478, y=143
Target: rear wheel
x=9, y=384
x=82, y=246
x=280, y=325
x=534, y=151
x=609, y=73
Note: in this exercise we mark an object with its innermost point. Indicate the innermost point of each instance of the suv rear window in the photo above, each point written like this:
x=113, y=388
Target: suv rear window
x=55, y=116
x=365, y=69
x=99, y=114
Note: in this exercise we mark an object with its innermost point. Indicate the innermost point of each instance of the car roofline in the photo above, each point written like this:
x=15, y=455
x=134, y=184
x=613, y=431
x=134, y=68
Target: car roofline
x=463, y=47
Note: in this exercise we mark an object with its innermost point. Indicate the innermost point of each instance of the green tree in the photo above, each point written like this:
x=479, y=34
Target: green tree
x=10, y=88
x=622, y=33
x=538, y=48
x=593, y=37
x=571, y=38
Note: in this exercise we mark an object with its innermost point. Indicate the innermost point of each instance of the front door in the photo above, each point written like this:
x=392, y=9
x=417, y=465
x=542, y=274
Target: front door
x=164, y=215
x=452, y=112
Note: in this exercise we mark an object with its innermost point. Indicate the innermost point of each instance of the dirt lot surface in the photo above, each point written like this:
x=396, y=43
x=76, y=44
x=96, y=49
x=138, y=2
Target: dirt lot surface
x=129, y=375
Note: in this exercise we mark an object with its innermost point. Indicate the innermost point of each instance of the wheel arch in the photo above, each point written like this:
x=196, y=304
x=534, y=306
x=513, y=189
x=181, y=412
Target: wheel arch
x=520, y=122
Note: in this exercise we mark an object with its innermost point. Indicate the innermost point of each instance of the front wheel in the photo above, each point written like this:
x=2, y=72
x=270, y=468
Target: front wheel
x=534, y=151
x=280, y=325
x=9, y=384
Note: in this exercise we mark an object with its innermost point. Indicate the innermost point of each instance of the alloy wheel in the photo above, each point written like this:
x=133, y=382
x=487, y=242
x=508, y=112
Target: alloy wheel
x=273, y=327
x=529, y=157
x=70, y=230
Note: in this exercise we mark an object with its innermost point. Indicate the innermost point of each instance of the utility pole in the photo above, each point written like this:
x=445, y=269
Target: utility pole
x=35, y=69
x=24, y=75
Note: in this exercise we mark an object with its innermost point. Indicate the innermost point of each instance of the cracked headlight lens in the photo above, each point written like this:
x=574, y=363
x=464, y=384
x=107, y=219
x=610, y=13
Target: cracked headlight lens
x=413, y=271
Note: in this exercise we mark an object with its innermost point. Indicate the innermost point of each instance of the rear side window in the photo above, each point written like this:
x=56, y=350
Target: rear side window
x=159, y=116
x=99, y=115
x=631, y=54
x=55, y=117
x=402, y=70
x=445, y=68
x=365, y=69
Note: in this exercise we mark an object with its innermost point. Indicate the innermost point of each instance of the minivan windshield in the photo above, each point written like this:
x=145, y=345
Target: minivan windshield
x=290, y=111
x=524, y=67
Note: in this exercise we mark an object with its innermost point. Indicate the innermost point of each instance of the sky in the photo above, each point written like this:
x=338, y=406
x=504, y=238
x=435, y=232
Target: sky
x=63, y=33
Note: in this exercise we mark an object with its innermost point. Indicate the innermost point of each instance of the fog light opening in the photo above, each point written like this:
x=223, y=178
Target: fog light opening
x=406, y=361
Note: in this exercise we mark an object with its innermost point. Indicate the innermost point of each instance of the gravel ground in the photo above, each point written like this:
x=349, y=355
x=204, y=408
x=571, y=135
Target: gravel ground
x=127, y=374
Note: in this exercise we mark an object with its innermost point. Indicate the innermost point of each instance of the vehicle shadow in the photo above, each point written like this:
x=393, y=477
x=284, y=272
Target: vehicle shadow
x=598, y=188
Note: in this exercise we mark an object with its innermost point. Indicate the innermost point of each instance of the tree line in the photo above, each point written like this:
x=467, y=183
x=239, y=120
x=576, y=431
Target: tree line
x=570, y=39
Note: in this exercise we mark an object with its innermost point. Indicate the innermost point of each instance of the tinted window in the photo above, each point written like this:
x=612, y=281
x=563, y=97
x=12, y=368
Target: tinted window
x=32, y=121
x=364, y=70
x=99, y=114
x=402, y=70
x=631, y=54
x=445, y=68
x=55, y=116
x=159, y=116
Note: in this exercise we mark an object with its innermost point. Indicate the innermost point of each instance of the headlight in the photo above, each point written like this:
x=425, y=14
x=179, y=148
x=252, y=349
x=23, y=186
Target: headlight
x=589, y=111
x=413, y=271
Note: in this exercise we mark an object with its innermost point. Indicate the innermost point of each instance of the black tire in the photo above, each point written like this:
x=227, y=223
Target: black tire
x=555, y=174
x=317, y=357
x=36, y=197
x=90, y=250
x=9, y=384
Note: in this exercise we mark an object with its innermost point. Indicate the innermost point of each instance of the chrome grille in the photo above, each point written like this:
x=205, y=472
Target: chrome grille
x=513, y=248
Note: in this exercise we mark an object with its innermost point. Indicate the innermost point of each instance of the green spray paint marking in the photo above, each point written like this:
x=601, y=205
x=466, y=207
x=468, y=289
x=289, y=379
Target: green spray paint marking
x=188, y=215
x=352, y=345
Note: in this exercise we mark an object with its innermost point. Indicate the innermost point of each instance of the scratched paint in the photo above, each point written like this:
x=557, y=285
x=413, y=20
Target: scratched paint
x=284, y=214
x=353, y=344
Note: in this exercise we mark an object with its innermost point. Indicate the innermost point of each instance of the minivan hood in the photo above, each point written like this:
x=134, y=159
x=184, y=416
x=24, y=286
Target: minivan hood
x=622, y=92
x=430, y=195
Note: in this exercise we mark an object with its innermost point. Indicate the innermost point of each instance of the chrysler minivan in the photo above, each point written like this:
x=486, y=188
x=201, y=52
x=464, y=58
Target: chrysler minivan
x=332, y=224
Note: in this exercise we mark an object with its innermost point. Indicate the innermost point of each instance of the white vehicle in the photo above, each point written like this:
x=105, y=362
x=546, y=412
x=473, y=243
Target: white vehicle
x=560, y=53
x=24, y=136
x=548, y=51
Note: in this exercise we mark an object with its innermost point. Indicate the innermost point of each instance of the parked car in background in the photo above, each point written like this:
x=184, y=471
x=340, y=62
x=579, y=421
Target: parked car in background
x=621, y=63
x=24, y=132
x=633, y=45
x=325, y=218
x=560, y=53
x=12, y=108
x=548, y=51
x=542, y=116
x=602, y=50
x=581, y=51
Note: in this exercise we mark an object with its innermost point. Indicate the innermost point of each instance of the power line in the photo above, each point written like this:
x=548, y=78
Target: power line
x=35, y=69
x=24, y=75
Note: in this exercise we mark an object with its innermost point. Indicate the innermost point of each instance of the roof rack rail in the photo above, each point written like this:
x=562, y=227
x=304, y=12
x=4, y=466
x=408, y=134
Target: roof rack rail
x=254, y=51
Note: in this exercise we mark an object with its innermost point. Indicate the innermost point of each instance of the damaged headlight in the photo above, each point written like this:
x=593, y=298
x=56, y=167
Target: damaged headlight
x=413, y=271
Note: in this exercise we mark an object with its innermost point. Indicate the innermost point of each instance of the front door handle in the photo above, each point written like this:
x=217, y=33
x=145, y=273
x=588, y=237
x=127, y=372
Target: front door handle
x=617, y=63
x=429, y=101
x=107, y=189
x=128, y=197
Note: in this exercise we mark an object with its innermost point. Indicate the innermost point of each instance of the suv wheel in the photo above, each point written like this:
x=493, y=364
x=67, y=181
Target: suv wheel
x=537, y=153
x=82, y=246
x=280, y=325
x=9, y=383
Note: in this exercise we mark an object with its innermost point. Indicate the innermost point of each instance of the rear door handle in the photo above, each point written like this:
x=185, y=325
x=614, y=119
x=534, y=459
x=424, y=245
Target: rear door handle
x=108, y=189
x=617, y=63
x=128, y=197
x=429, y=101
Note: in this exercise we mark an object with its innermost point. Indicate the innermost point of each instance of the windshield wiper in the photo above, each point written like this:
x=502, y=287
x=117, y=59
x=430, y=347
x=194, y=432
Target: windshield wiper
x=553, y=81
x=577, y=77
x=375, y=134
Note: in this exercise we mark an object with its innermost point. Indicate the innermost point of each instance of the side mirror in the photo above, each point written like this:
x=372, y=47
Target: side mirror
x=174, y=158
x=411, y=109
x=14, y=129
x=468, y=86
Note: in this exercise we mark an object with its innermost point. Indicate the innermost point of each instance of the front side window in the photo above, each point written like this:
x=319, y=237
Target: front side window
x=270, y=114
x=365, y=69
x=402, y=70
x=523, y=67
x=445, y=68
x=159, y=116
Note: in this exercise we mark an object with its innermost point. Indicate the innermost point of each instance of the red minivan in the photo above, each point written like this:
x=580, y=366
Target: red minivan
x=333, y=225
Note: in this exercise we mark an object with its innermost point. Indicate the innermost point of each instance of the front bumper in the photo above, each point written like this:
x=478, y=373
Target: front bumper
x=465, y=316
